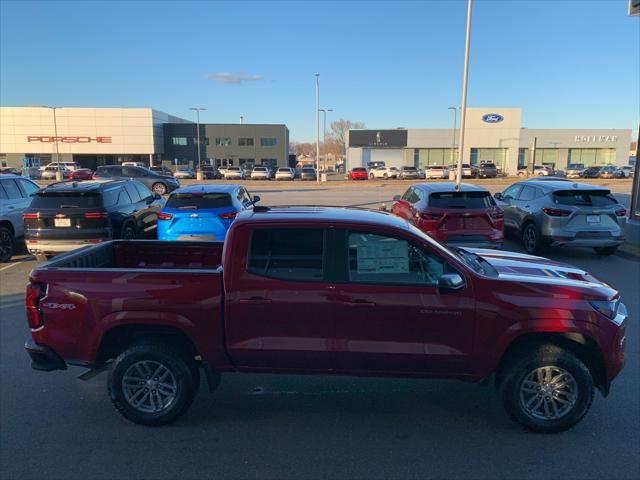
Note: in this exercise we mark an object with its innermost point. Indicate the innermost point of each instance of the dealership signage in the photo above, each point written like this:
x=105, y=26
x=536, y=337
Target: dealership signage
x=492, y=118
x=596, y=138
x=378, y=138
x=68, y=139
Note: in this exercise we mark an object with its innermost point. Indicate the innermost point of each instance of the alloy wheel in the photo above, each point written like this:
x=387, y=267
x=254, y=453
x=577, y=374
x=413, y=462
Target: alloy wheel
x=530, y=239
x=149, y=386
x=159, y=188
x=6, y=245
x=548, y=393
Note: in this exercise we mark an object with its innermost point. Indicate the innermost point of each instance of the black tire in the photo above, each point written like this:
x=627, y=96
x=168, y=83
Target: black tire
x=525, y=366
x=372, y=176
x=128, y=231
x=183, y=377
x=7, y=244
x=159, y=188
x=532, y=240
x=606, y=250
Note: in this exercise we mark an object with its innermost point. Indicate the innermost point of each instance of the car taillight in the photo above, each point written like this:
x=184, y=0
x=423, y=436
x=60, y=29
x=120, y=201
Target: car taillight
x=555, y=212
x=164, y=216
x=496, y=214
x=95, y=215
x=29, y=216
x=35, y=293
x=228, y=216
x=621, y=213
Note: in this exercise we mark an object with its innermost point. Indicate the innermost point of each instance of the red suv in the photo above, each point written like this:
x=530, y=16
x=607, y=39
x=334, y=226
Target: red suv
x=465, y=217
x=358, y=174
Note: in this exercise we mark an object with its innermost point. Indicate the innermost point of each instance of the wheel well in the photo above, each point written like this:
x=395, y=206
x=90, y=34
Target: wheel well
x=584, y=348
x=119, y=338
x=9, y=226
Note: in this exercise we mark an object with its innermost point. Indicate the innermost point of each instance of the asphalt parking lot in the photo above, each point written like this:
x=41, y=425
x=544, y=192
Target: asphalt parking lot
x=275, y=426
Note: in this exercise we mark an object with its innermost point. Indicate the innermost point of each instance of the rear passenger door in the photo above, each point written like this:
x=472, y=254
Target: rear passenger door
x=277, y=311
x=523, y=204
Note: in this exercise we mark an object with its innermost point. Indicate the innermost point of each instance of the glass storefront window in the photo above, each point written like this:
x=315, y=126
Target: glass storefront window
x=498, y=156
x=424, y=157
x=592, y=156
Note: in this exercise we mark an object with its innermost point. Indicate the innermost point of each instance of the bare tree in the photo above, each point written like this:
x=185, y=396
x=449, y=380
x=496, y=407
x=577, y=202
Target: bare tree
x=339, y=129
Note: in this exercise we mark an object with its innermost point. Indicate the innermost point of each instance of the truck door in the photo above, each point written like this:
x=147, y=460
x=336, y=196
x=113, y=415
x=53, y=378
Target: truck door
x=390, y=316
x=277, y=311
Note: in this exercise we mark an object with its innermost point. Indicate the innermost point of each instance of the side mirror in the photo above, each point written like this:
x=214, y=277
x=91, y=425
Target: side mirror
x=498, y=196
x=396, y=198
x=157, y=196
x=450, y=282
x=256, y=199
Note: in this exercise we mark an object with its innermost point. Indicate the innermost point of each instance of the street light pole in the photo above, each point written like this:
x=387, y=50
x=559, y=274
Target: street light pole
x=324, y=135
x=59, y=175
x=317, y=127
x=453, y=148
x=199, y=176
x=463, y=105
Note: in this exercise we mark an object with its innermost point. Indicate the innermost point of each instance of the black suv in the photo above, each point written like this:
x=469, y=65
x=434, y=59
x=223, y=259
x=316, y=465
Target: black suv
x=69, y=215
x=156, y=182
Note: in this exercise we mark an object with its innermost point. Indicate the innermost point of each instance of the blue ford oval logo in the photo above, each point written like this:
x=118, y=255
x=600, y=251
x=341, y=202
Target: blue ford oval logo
x=492, y=118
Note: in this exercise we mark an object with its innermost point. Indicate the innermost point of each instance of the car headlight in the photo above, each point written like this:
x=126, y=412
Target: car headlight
x=609, y=308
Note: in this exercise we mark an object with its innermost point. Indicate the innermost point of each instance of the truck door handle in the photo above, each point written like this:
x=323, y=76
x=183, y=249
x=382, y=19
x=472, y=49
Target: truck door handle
x=255, y=301
x=360, y=302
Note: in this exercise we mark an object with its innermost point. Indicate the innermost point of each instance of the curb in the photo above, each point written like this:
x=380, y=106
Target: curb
x=629, y=252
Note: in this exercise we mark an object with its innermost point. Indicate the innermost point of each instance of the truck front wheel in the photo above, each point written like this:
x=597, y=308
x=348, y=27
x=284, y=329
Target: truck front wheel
x=151, y=384
x=547, y=389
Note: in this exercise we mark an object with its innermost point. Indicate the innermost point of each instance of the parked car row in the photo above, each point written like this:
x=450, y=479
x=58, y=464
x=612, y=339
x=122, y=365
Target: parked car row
x=484, y=170
x=578, y=170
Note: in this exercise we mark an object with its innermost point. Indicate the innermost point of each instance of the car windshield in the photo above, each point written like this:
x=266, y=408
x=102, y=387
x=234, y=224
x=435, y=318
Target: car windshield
x=66, y=199
x=260, y=169
x=575, y=166
x=460, y=200
x=587, y=198
x=198, y=201
x=234, y=169
x=409, y=168
x=359, y=170
x=285, y=170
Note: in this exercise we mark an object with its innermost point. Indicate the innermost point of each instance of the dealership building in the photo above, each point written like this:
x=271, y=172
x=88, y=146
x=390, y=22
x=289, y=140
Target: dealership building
x=491, y=135
x=30, y=136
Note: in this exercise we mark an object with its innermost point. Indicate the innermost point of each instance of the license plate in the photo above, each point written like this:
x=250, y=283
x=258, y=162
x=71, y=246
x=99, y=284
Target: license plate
x=593, y=218
x=62, y=222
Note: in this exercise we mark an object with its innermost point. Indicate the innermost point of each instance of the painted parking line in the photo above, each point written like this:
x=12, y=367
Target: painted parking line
x=15, y=263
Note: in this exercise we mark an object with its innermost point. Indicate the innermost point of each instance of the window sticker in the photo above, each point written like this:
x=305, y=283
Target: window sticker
x=382, y=256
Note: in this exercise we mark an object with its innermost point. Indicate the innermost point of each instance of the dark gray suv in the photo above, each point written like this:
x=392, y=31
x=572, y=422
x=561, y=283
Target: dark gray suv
x=562, y=213
x=155, y=182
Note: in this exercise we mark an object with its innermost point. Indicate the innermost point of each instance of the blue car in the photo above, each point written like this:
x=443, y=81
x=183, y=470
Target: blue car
x=202, y=212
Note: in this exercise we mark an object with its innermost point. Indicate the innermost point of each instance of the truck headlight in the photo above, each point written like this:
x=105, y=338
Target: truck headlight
x=609, y=308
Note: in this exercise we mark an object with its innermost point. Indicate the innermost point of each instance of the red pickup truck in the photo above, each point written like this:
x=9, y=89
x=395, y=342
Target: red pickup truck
x=326, y=291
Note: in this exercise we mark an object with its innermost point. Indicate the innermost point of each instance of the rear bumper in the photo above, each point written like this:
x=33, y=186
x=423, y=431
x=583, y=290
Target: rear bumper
x=586, y=242
x=60, y=246
x=44, y=358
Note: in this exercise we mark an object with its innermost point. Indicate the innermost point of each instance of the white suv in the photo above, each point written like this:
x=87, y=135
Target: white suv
x=285, y=173
x=437, y=171
x=384, y=172
x=68, y=165
x=260, y=173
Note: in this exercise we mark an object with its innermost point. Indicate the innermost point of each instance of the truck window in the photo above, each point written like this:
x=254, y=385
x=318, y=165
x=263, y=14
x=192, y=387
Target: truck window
x=287, y=253
x=388, y=260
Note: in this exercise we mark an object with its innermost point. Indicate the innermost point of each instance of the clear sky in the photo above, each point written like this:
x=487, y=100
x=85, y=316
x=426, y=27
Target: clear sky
x=572, y=64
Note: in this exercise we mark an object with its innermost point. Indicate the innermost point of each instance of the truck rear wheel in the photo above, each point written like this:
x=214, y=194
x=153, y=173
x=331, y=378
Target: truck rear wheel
x=547, y=389
x=151, y=384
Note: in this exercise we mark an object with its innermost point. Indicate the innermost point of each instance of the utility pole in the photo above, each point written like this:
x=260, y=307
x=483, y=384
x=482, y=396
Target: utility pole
x=324, y=136
x=463, y=107
x=317, y=128
x=59, y=174
x=241, y=119
x=199, y=175
x=534, y=144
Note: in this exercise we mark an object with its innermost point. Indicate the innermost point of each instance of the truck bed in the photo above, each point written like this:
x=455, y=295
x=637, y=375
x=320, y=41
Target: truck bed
x=142, y=254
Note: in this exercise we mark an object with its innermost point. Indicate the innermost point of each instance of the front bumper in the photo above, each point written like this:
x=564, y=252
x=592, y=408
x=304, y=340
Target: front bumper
x=44, y=358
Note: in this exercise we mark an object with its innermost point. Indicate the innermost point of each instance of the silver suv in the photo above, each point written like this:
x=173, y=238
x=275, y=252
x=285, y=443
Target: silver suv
x=562, y=213
x=15, y=197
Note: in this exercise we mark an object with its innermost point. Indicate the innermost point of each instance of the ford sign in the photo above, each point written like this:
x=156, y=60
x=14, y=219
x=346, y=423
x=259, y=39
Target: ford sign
x=492, y=118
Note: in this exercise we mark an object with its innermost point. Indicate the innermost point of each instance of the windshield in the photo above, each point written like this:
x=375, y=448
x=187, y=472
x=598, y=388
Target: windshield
x=470, y=200
x=198, y=201
x=588, y=198
x=66, y=200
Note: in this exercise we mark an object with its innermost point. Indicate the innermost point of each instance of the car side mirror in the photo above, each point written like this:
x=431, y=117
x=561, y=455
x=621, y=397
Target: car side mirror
x=498, y=196
x=396, y=198
x=157, y=196
x=256, y=199
x=450, y=282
